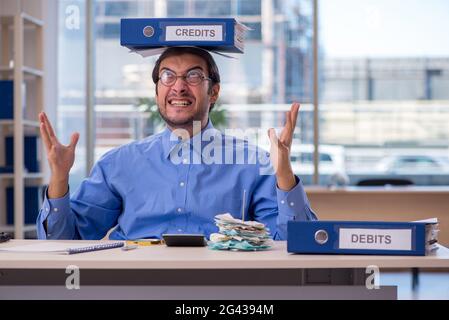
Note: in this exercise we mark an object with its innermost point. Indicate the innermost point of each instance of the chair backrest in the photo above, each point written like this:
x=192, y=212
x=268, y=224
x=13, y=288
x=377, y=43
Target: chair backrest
x=384, y=182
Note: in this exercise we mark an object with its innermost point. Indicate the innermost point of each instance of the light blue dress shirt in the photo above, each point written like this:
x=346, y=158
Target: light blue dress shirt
x=162, y=185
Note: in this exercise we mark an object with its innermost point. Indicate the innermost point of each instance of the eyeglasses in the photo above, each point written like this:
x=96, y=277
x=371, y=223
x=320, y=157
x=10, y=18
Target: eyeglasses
x=193, y=77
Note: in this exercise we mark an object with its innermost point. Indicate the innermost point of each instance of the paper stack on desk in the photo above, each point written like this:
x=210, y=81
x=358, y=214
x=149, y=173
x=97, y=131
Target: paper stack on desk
x=239, y=235
x=431, y=234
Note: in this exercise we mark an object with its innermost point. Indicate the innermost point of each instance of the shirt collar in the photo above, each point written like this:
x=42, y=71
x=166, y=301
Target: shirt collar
x=169, y=141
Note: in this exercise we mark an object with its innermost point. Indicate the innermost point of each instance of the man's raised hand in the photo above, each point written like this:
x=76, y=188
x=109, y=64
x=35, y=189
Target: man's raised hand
x=280, y=150
x=60, y=157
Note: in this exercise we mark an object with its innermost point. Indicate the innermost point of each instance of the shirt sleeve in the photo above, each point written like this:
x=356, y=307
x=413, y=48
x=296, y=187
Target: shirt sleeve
x=293, y=205
x=89, y=214
x=276, y=207
x=55, y=220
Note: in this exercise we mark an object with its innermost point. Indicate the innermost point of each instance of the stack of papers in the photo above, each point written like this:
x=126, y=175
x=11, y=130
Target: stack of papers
x=431, y=234
x=239, y=35
x=157, y=51
x=238, y=235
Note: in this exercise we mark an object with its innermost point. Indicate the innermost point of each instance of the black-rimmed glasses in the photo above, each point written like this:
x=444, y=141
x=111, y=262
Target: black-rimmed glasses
x=193, y=77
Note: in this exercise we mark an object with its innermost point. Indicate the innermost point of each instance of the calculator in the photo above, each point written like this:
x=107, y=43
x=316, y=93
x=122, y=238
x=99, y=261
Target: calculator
x=184, y=240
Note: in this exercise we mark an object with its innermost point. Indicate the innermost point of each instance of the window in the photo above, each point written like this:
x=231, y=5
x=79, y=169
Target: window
x=255, y=33
x=256, y=88
x=249, y=7
x=109, y=30
x=176, y=8
x=382, y=96
x=71, y=82
x=116, y=8
x=213, y=8
x=384, y=80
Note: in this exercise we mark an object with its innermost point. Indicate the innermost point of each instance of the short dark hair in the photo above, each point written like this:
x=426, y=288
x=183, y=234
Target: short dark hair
x=212, y=68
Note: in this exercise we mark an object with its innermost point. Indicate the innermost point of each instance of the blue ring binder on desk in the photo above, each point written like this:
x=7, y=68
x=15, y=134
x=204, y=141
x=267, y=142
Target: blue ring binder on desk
x=357, y=237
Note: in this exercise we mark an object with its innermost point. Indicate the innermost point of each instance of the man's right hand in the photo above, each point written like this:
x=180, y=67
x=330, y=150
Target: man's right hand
x=60, y=158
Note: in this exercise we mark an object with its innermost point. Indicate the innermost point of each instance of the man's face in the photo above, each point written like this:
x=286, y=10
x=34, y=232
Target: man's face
x=180, y=104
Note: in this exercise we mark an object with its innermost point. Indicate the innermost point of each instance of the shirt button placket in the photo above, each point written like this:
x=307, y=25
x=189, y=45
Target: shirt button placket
x=181, y=192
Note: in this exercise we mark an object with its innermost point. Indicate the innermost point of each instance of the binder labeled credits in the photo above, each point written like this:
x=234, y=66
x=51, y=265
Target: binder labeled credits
x=367, y=237
x=219, y=34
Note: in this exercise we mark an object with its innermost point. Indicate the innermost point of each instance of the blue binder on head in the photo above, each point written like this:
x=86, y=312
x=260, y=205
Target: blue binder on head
x=357, y=237
x=216, y=34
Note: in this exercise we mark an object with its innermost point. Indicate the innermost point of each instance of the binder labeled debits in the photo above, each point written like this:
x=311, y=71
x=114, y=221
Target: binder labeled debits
x=362, y=237
x=146, y=35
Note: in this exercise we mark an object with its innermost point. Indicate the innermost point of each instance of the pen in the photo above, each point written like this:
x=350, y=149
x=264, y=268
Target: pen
x=144, y=242
x=243, y=205
x=129, y=247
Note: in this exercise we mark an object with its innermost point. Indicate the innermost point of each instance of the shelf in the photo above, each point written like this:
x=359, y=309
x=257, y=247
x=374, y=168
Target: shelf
x=10, y=228
x=37, y=175
x=33, y=72
x=22, y=38
x=5, y=69
x=26, y=70
x=28, y=123
x=27, y=20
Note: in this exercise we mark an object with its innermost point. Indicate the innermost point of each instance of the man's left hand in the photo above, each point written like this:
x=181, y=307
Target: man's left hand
x=280, y=150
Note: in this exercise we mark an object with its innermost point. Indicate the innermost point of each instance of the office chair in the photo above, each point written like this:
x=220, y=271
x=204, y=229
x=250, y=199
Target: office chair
x=384, y=182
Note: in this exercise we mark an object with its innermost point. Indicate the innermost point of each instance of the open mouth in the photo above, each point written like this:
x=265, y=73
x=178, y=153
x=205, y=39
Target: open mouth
x=181, y=103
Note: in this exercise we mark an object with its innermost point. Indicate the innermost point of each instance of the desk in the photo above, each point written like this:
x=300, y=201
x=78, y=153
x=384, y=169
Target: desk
x=160, y=272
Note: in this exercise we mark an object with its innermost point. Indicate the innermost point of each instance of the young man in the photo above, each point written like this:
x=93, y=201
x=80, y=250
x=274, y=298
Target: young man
x=166, y=183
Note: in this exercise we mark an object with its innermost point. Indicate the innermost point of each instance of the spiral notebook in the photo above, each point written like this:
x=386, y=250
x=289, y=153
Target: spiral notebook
x=61, y=247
